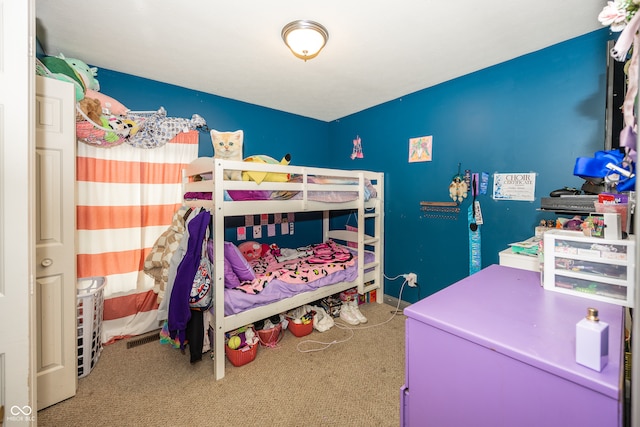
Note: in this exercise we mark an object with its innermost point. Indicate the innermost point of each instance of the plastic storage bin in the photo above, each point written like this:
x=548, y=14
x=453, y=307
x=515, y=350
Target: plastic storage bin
x=301, y=329
x=590, y=267
x=270, y=337
x=243, y=355
x=90, y=303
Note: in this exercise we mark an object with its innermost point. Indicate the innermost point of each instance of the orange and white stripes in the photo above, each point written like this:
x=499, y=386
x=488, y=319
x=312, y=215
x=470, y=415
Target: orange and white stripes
x=126, y=198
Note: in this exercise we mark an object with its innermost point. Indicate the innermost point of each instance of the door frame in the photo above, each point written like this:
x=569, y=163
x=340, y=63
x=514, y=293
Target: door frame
x=17, y=199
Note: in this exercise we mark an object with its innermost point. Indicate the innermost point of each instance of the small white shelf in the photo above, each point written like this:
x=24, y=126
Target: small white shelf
x=524, y=262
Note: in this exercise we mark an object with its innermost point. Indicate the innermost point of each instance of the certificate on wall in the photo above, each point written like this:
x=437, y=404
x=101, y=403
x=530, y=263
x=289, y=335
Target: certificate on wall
x=514, y=186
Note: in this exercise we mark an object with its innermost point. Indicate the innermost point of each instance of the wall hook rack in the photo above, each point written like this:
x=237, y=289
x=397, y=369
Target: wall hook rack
x=440, y=210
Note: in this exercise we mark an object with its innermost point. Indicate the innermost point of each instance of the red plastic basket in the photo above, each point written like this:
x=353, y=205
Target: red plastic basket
x=241, y=356
x=300, y=329
x=270, y=337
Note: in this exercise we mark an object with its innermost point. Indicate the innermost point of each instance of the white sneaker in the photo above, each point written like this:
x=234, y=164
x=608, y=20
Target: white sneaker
x=356, y=312
x=347, y=315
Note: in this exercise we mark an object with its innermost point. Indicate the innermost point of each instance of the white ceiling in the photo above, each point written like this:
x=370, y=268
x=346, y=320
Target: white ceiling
x=377, y=50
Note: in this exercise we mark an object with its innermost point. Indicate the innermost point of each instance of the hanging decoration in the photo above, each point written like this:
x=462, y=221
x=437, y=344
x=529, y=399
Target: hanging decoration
x=474, y=218
x=458, y=188
x=357, y=149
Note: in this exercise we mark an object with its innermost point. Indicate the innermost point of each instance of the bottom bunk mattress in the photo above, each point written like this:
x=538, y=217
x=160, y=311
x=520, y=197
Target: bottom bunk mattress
x=295, y=271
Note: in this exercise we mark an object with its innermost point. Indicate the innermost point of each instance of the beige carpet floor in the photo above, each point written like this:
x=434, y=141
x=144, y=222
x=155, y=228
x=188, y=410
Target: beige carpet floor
x=353, y=382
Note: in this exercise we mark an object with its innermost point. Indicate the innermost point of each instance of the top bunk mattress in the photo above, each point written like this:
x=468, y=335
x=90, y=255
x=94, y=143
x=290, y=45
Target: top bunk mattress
x=277, y=182
x=318, y=196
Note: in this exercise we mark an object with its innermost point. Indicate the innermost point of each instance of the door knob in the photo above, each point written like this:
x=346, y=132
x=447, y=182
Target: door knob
x=47, y=262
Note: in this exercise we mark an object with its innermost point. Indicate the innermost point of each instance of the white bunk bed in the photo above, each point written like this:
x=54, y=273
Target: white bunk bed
x=205, y=176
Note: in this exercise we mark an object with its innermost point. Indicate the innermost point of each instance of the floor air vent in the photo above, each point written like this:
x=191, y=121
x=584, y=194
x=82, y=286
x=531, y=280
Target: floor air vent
x=143, y=340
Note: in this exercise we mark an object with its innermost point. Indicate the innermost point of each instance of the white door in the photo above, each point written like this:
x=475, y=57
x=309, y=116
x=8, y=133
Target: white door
x=55, y=241
x=17, y=366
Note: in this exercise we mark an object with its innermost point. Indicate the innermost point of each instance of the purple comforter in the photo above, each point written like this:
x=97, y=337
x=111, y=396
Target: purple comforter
x=236, y=301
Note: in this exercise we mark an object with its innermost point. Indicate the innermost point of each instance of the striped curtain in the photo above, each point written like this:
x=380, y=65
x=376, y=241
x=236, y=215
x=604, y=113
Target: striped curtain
x=126, y=198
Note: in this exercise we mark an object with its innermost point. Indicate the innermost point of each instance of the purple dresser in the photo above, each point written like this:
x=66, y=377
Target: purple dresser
x=497, y=350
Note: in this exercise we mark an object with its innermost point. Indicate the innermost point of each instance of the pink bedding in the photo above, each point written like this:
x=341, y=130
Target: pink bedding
x=321, y=260
x=276, y=280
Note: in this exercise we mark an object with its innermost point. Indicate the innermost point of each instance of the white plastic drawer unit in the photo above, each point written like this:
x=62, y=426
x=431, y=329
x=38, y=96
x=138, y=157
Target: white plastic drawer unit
x=590, y=267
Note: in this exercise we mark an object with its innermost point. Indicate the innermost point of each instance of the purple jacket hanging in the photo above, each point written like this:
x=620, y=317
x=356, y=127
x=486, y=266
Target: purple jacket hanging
x=179, y=311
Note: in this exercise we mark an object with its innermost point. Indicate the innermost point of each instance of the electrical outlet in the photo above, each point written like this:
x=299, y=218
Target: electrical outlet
x=412, y=279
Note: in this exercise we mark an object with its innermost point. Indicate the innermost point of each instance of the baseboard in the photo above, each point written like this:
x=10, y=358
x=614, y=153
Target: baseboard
x=392, y=301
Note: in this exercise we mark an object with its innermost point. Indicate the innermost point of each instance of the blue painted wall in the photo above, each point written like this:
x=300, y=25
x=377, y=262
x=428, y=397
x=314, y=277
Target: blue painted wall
x=266, y=131
x=536, y=113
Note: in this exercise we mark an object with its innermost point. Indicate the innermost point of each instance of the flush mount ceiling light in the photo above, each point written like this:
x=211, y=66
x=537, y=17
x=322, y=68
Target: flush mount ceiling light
x=305, y=38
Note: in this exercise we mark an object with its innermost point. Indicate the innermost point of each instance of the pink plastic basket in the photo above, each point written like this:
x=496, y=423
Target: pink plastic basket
x=270, y=337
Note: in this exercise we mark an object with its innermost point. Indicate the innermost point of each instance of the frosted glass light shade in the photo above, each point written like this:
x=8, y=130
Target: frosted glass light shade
x=305, y=38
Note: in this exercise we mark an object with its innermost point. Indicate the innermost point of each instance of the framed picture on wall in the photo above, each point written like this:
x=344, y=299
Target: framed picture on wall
x=420, y=149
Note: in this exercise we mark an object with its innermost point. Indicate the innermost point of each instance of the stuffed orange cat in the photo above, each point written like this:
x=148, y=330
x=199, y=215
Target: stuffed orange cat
x=228, y=146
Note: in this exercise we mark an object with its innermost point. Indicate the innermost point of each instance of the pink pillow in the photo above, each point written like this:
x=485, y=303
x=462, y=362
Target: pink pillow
x=250, y=250
x=107, y=103
x=238, y=263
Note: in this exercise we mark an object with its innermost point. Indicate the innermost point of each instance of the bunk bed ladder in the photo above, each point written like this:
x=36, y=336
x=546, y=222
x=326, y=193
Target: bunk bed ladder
x=370, y=276
x=361, y=239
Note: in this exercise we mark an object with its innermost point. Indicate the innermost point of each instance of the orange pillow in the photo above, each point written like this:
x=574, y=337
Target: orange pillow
x=109, y=105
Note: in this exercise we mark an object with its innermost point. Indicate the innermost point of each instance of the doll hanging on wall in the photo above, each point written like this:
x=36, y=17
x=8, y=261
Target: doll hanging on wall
x=357, y=149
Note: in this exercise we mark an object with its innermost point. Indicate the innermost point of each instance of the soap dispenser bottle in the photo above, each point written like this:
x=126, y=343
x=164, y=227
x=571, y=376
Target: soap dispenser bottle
x=592, y=341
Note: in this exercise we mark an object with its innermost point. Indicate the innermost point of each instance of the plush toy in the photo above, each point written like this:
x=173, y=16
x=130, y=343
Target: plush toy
x=133, y=126
x=56, y=68
x=251, y=250
x=118, y=126
x=266, y=176
x=108, y=136
x=275, y=250
x=71, y=70
x=91, y=108
x=86, y=73
x=109, y=104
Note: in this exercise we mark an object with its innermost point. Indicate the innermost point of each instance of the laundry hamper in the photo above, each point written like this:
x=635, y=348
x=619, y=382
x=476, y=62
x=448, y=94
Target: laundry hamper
x=89, y=307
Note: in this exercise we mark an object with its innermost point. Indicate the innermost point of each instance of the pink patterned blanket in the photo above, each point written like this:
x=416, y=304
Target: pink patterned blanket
x=324, y=259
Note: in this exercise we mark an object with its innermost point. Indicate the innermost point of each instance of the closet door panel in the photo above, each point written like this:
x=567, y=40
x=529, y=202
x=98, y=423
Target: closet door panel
x=55, y=241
